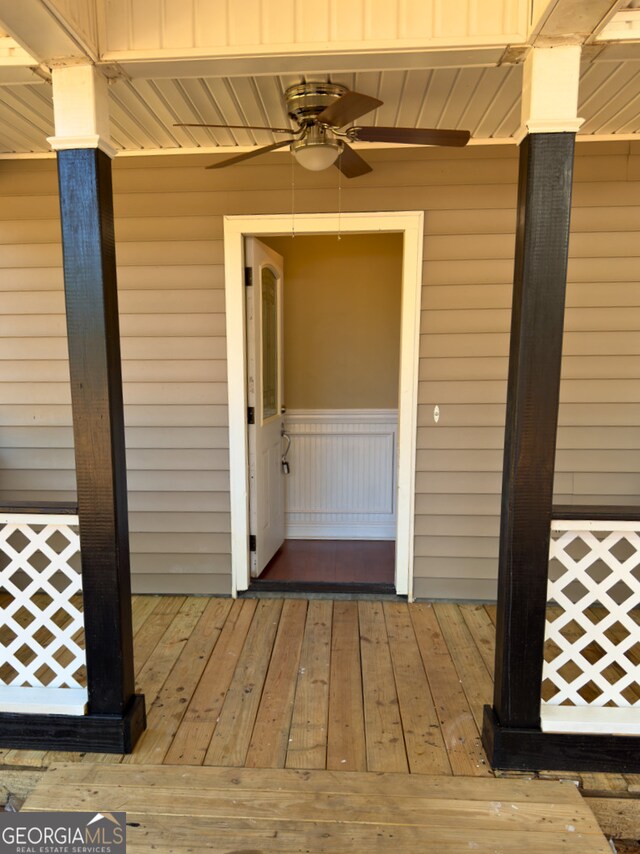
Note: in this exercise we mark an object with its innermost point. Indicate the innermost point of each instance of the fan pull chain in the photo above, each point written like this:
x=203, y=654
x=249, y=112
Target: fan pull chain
x=293, y=197
x=340, y=196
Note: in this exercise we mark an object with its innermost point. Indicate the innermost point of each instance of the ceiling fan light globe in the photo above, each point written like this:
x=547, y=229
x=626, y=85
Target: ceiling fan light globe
x=316, y=156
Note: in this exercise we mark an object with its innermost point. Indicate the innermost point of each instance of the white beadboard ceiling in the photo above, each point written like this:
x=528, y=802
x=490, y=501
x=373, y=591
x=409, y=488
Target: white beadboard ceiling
x=485, y=101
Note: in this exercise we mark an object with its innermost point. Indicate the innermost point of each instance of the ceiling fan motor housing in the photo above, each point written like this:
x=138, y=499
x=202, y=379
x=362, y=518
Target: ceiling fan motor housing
x=305, y=101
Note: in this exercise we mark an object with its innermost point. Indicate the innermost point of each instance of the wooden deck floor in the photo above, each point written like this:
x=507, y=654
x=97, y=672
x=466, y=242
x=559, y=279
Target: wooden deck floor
x=363, y=686
x=258, y=811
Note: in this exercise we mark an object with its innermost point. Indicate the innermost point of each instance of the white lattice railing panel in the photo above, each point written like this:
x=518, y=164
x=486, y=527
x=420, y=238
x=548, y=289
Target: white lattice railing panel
x=42, y=657
x=591, y=672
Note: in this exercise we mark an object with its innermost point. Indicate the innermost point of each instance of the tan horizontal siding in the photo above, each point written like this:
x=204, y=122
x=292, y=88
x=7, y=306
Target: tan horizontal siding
x=494, y=391
x=600, y=386
x=185, y=501
x=179, y=522
x=456, y=589
x=591, y=319
x=603, y=244
x=178, y=563
x=181, y=543
x=57, y=477
x=585, y=499
x=496, y=368
x=497, y=344
x=464, y=546
x=569, y=438
x=143, y=325
x=430, y=525
x=465, y=325
x=459, y=568
x=582, y=294
x=179, y=394
x=174, y=369
x=611, y=219
x=184, y=582
x=161, y=504
x=169, y=230
x=36, y=437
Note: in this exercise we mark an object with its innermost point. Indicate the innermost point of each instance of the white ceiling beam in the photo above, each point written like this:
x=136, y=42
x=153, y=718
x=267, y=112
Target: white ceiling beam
x=572, y=21
x=49, y=38
x=623, y=26
x=152, y=67
x=16, y=65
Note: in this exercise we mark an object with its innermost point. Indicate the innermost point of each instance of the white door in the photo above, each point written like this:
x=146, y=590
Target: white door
x=264, y=360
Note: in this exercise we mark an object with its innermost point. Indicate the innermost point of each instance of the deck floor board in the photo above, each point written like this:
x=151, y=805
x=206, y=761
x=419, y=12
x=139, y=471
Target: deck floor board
x=319, y=686
x=346, y=743
x=309, y=724
x=279, y=810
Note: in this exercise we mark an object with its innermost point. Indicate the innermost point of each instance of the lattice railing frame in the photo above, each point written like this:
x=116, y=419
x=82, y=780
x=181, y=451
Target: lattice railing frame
x=567, y=704
x=25, y=690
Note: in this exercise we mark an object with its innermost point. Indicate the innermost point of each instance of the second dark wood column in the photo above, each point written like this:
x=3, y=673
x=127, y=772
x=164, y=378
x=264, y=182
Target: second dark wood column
x=86, y=205
x=542, y=243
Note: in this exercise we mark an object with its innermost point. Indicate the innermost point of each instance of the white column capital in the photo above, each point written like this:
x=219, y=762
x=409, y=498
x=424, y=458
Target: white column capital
x=550, y=83
x=80, y=109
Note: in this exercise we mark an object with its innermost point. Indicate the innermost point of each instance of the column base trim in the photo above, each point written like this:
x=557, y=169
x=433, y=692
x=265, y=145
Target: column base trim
x=91, y=733
x=512, y=749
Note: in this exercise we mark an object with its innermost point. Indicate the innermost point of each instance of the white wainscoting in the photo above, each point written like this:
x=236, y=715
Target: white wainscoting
x=342, y=483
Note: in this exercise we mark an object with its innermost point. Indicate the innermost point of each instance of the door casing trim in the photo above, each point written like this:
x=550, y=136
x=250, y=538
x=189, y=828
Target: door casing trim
x=411, y=225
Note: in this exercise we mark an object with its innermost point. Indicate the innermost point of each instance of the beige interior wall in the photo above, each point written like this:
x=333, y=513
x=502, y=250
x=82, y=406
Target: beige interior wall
x=341, y=320
x=169, y=228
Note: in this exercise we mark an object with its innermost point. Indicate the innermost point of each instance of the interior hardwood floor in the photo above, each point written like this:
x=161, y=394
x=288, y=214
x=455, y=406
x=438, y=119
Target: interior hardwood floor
x=317, y=684
x=333, y=562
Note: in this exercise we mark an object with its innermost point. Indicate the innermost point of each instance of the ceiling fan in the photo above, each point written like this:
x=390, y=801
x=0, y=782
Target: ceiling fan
x=321, y=110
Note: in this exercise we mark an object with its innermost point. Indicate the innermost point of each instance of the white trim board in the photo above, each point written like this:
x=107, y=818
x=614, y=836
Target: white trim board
x=411, y=225
x=321, y=416
x=43, y=700
x=610, y=720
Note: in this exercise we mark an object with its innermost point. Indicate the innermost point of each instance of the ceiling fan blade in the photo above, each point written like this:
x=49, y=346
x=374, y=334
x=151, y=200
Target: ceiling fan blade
x=248, y=154
x=413, y=136
x=347, y=109
x=351, y=164
x=232, y=127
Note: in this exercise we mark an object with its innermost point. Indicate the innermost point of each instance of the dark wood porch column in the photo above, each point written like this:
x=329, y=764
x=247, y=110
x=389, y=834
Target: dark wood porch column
x=86, y=208
x=542, y=243
x=512, y=736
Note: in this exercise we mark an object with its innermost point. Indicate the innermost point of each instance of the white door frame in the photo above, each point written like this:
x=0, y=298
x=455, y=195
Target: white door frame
x=410, y=224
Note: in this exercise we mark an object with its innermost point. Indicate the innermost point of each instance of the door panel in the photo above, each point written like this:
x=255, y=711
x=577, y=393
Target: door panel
x=264, y=385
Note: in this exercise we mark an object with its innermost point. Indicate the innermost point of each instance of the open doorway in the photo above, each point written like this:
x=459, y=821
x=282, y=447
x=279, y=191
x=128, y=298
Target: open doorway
x=409, y=225
x=340, y=362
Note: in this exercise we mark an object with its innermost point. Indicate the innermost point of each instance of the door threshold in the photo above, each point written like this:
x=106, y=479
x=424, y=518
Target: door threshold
x=330, y=587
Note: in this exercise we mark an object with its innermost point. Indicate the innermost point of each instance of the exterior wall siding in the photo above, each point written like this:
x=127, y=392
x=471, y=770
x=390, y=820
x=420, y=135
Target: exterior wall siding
x=169, y=219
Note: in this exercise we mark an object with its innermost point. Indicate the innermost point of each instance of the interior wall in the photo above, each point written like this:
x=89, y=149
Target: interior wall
x=341, y=311
x=169, y=230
